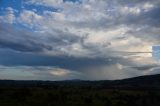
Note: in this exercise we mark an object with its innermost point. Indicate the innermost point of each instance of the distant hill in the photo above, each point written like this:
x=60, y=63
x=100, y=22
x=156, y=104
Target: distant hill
x=147, y=82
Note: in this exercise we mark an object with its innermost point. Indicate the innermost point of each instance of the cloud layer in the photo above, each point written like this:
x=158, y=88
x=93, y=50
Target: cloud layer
x=100, y=39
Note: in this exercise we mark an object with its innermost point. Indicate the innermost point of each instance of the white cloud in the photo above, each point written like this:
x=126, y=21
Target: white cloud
x=58, y=72
x=30, y=18
x=9, y=16
x=45, y=2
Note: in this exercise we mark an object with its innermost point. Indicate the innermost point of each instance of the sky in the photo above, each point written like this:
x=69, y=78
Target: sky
x=79, y=39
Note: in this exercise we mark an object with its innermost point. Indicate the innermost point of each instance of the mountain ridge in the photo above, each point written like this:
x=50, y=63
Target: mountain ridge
x=147, y=81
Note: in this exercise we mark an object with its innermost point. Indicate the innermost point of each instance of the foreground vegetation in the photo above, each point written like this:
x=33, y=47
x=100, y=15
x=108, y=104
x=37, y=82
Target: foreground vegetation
x=141, y=91
x=77, y=97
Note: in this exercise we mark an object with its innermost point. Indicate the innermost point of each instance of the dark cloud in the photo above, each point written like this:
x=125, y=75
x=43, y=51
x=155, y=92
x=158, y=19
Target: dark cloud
x=12, y=58
x=20, y=40
x=30, y=47
x=151, y=17
x=137, y=2
x=73, y=1
x=28, y=41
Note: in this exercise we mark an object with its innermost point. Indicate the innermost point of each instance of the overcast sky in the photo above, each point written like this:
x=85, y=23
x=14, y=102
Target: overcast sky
x=79, y=39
